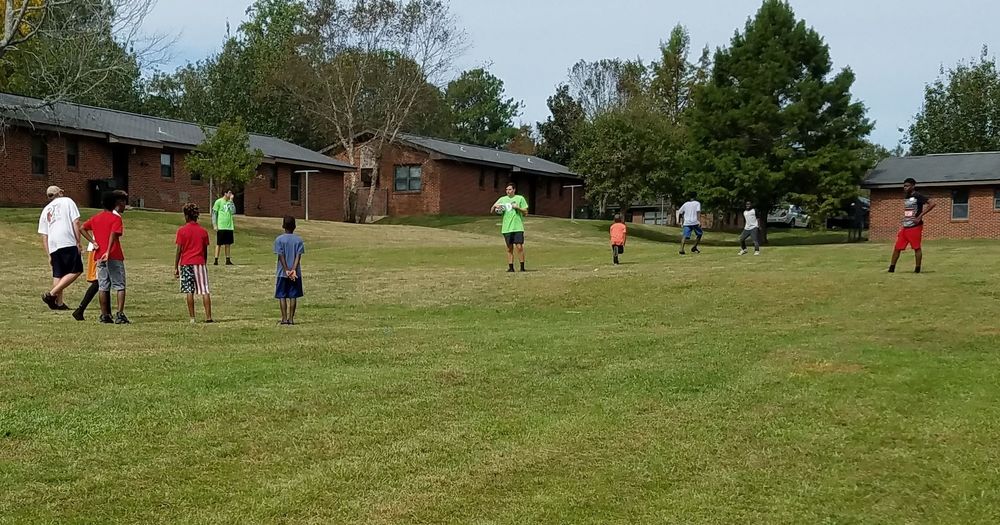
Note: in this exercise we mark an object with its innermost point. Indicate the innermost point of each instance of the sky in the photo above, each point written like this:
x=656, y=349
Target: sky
x=895, y=47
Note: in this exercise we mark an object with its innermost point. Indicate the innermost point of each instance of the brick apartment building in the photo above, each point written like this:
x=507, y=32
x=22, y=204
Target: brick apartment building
x=87, y=150
x=965, y=187
x=425, y=176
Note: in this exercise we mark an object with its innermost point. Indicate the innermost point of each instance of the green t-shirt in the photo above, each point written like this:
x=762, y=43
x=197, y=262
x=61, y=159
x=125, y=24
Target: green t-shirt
x=224, y=211
x=512, y=219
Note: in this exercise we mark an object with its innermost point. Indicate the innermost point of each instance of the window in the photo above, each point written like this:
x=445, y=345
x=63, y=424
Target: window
x=72, y=153
x=296, y=181
x=167, y=165
x=548, y=189
x=482, y=178
x=996, y=200
x=368, y=177
x=272, y=177
x=39, y=155
x=959, y=205
x=407, y=178
x=195, y=176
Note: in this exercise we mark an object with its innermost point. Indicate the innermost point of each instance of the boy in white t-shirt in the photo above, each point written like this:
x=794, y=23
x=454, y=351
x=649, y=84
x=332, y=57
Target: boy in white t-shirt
x=691, y=211
x=59, y=227
x=751, y=230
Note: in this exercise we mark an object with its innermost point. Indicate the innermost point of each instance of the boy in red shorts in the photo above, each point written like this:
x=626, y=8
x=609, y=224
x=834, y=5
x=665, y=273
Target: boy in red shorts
x=915, y=206
x=190, y=261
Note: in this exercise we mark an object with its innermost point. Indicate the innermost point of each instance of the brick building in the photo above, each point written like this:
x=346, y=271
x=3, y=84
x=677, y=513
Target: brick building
x=965, y=188
x=87, y=150
x=426, y=176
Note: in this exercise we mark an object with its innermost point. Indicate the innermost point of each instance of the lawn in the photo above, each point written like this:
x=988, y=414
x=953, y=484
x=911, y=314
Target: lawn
x=425, y=385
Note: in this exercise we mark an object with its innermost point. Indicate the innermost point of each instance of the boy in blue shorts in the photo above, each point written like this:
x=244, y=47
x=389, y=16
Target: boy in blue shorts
x=288, y=286
x=691, y=211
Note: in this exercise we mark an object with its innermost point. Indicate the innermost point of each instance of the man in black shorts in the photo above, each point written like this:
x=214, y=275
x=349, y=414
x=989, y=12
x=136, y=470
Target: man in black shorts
x=59, y=227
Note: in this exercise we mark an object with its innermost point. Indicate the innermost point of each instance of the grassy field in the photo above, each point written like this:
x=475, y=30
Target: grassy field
x=425, y=385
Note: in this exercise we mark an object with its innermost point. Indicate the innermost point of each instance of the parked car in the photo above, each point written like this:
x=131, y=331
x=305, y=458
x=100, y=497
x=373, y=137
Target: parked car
x=788, y=215
x=856, y=210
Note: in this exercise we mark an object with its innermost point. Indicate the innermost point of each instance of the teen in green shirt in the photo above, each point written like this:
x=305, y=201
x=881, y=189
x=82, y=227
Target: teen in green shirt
x=222, y=219
x=514, y=208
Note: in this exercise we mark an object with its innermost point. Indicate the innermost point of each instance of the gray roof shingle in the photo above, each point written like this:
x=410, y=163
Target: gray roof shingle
x=120, y=126
x=955, y=169
x=492, y=157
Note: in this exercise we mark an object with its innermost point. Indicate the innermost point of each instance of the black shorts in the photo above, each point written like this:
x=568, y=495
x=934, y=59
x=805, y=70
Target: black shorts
x=66, y=261
x=514, y=238
x=224, y=237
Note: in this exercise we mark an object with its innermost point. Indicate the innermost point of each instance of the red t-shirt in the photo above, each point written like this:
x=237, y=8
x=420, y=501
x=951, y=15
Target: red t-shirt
x=103, y=225
x=193, y=240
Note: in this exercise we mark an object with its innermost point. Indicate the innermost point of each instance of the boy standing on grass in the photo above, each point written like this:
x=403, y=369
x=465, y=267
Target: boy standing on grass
x=288, y=287
x=915, y=207
x=751, y=230
x=619, y=232
x=105, y=229
x=691, y=211
x=514, y=208
x=190, y=261
x=222, y=219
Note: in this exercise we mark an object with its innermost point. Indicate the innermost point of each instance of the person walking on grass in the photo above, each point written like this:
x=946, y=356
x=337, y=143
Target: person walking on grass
x=288, y=286
x=59, y=226
x=751, y=230
x=190, y=262
x=92, y=279
x=915, y=207
x=514, y=208
x=619, y=234
x=105, y=230
x=691, y=211
x=222, y=221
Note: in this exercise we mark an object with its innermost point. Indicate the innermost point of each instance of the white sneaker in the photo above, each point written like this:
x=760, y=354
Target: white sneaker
x=756, y=253
x=743, y=252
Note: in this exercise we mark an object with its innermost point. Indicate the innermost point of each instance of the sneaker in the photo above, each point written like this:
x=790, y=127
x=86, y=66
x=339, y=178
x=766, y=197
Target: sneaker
x=695, y=250
x=682, y=252
x=78, y=314
x=62, y=307
x=229, y=263
x=510, y=270
x=283, y=323
x=756, y=252
x=193, y=320
x=216, y=263
x=207, y=321
x=50, y=300
x=106, y=319
x=743, y=252
x=121, y=319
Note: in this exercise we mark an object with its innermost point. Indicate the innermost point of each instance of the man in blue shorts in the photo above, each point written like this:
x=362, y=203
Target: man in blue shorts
x=691, y=211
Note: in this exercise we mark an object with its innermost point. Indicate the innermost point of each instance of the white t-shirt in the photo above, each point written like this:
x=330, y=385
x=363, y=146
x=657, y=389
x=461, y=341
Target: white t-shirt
x=57, y=222
x=690, y=211
x=751, y=219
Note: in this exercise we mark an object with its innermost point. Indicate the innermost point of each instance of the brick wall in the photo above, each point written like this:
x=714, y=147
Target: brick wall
x=983, y=221
x=19, y=187
x=326, y=195
x=148, y=187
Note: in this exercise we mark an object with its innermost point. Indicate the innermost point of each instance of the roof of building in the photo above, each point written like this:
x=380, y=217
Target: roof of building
x=954, y=169
x=130, y=128
x=482, y=155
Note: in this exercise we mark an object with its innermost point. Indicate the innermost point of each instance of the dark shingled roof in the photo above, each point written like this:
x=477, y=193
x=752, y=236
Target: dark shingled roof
x=491, y=157
x=130, y=128
x=955, y=169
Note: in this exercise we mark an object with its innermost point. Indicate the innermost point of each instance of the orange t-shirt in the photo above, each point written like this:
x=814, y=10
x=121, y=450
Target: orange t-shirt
x=618, y=234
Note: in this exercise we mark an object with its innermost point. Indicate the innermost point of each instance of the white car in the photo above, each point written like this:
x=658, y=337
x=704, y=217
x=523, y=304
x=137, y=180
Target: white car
x=788, y=215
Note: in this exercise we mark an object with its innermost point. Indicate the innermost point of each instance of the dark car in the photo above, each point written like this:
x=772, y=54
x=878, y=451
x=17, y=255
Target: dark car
x=856, y=210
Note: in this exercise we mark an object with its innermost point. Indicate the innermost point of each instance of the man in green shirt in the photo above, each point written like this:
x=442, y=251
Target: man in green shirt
x=222, y=220
x=514, y=208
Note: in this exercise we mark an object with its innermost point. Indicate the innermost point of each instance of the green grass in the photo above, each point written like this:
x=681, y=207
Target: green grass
x=424, y=385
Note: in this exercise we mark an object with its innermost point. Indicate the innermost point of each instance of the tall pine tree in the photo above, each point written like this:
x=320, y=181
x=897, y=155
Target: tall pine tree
x=774, y=123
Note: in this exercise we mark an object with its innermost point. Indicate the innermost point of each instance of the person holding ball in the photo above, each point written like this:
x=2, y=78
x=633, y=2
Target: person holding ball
x=513, y=207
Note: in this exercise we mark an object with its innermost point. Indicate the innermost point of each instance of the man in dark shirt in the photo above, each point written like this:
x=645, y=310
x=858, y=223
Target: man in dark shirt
x=915, y=206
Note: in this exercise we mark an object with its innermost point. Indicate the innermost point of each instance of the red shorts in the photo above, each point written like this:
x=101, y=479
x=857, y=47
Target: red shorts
x=910, y=237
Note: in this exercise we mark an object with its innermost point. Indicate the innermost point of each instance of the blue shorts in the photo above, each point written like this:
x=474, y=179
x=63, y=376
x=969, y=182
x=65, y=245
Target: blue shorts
x=286, y=288
x=696, y=229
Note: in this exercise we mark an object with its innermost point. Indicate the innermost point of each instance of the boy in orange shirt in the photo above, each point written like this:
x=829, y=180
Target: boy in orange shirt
x=619, y=233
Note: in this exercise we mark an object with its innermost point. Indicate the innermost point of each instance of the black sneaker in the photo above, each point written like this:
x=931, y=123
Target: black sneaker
x=695, y=250
x=121, y=319
x=229, y=263
x=682, y=252
x=62, y=307
x=50, y=300
x=78, y=315
x=106, y=319
x=209, y=321
x=510, y=270
x=216, y=263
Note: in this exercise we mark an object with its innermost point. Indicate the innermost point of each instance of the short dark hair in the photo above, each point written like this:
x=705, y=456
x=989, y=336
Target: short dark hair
x=191, y=212
x=910, y=180
x=111, y=199
x=511, y=185
x=288, y=223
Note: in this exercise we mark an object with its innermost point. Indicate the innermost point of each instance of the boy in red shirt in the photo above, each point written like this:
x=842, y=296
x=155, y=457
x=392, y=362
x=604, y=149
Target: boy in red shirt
x=105, y=230
x=190, y=263
x=619, y=233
